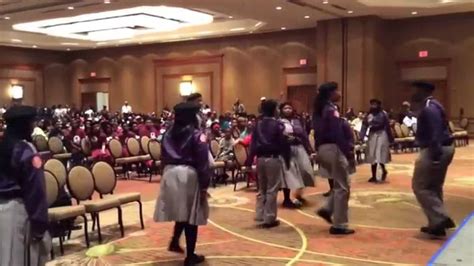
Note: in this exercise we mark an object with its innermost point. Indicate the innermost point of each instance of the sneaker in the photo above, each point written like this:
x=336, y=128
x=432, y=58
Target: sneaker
x=340, y=231
x=325, y=215
x=270, y=225
x=175, y=247
x=194, y=260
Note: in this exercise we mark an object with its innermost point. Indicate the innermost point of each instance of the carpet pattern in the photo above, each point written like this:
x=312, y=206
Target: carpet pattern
x=386, y=218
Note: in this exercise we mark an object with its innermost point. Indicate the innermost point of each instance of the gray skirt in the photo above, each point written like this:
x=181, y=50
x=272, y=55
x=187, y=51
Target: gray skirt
x=180, y=198
x=14, y=232
x=378, y=148
x=300, y=174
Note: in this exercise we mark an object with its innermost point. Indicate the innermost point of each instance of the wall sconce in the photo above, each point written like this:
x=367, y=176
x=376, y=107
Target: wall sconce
x=16, y=92
x=186, y=88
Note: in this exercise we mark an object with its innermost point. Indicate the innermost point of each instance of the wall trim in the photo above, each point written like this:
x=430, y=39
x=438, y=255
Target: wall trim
x=193, y=60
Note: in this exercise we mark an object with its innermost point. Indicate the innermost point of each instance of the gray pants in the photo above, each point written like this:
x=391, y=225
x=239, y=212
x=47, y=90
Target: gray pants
x=427, y=184
x=337, y=166
x=269, y=171
x=15, y=240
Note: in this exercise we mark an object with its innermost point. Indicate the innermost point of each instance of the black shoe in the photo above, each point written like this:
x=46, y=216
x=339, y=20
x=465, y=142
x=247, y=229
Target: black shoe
x=270, y=225
x=438, y=232
x=372, y=180
x=327, y=194
x=449, y=224
x=384, y=176
x=175, y=247
x=194, y=260
x=325, y=215
x=340, y=231
x=289, y=205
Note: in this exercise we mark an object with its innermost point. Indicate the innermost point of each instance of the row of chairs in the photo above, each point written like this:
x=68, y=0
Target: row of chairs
x=81, y=184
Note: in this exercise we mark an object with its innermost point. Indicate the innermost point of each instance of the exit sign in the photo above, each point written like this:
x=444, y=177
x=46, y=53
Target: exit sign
x=423, y=54
x=93, y=74
x=303, y=62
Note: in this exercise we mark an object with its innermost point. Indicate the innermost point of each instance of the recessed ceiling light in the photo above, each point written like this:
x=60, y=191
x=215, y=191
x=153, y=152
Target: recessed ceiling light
x=140, y=43
x=258, y=24
x=283, y=28
x=325, y=2
x=34, y=46
x=70, y=7
x=414, y=13
x=350, y=11
x=70, y=43
x=16, y=40
x=7, y=18
x=106, y=1
x=68, y=49
x=306, y=17
x=237, y=29
x=231, y=17
x=278, y=8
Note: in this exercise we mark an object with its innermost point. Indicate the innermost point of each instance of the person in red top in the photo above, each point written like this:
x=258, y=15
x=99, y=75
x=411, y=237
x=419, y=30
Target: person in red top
x=99, y=143
x=246, y=142
x=148, y=129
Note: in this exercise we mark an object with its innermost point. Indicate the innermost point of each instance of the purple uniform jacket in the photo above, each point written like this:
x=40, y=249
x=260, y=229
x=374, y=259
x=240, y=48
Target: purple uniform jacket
x=268, y=139
x=300, y=134
x=379, y=122
x=190, y=148
x=329, y=128
x=26, y=181
x=432, y=126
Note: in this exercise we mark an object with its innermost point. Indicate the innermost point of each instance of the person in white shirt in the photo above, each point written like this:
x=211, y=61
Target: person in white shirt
x=126, y=108
x=2, y=111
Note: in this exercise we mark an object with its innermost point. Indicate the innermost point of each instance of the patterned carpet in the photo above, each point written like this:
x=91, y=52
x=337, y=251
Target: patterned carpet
x=386, y=218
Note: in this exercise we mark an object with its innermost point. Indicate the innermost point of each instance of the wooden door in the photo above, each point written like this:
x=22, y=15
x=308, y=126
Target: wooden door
x=302, y=97
x=440, y=93
x=89, y=99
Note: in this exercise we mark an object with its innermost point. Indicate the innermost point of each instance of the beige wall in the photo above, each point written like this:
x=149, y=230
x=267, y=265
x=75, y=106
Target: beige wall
x=450, y=37
x=252, y=67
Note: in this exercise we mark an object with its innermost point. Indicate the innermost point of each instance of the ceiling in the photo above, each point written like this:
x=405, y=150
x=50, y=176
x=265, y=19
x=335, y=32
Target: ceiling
x=230, y=17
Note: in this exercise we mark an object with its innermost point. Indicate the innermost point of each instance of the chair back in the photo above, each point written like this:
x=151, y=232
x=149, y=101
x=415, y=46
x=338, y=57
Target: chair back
x=214, y=145
x=55, y=145
x=405, y=130
x=240, y=154
x=451, y=127
x=86, y=146
x=133, y=146
x=104, y=177
x=115, y=148
x=464, y=123
x=311, y=141
x=57, y=168
x=155, y=149
x=52, y=187
x=80, y=183
x=41, y=143
x=398, y=130
x=144, y=144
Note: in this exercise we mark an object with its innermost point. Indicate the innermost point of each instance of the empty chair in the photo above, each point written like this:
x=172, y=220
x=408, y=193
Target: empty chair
x=81, y=186
x=105, y=182
x=56, y=167
x=41, y=143
x=154, y=148
x=56, y=147
x=240, y=158
x=144, y=144
x=57, y=214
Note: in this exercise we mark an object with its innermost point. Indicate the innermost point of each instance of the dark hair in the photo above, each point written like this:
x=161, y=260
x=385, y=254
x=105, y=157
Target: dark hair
x=193, y=97
x=324, y=93
x=375, y=101
x=269, y=107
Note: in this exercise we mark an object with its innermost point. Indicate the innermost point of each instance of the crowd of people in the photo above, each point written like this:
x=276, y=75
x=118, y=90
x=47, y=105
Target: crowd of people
x=278, y=142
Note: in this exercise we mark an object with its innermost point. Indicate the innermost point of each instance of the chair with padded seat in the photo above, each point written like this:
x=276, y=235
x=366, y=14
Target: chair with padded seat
x=154, y=148
x=41, y=143
x=400, y=141
x=214, y=148
x=133, y=147
x=241, y=154
x=56, y=147
x=461, y=136
x=408, y=136
x=86, y=148
x=56, y=167
x=105, y=182
x=80, y=183
x=144, y=144
x=58, y=214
